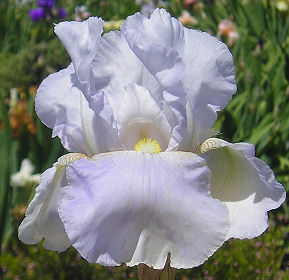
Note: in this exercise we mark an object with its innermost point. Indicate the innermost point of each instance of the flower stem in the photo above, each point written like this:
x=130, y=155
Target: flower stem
x=148, y=273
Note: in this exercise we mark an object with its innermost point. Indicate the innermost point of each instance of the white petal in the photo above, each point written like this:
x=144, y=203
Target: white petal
x=137, y=207
x=27, y=166
x=175, y=111
x=81, y=40
x=18, y=179
x=41, y=218
x=245, y=184
x=157, y=42
x=23, y=176
x=209, y=79
x=115, y=65
x=61, y=106
x=186, y=61
x=139, y=113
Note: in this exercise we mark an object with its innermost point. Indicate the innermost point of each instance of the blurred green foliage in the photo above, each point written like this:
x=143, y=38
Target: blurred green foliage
x=258, y=113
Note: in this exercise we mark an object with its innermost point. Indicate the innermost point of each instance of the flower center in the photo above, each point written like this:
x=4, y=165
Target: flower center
x=140, y=128
x=147, y=145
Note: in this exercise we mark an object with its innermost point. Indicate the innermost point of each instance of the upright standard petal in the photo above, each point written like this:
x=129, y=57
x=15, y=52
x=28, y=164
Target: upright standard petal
x=140, y=117
x=81, y=40
x=244, y=183
x=137, y=207
x=157, y=42
x=61, y=106
x=187, y=62
x=209, y=79
x=115, y=65
x=41, y=218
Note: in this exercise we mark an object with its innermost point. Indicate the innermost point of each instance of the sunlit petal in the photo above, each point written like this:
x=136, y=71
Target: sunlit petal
x=61, y=106
x=156, y=42
x=187, y=63
x=81, y=41
x=41, y=218
x=244, y=183
x=209, y=79
x=136, y=207
x=115, y=65
x=140, y=117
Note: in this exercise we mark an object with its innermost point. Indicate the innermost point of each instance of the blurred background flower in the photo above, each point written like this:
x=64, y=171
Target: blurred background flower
x=227, y=29
x=37, y=14
x=187, y=3
x=282, y=5
x=46, y=10
x=81, y=13
x=18, y=113
x=147, y=6
x=25, y=177
x=187, y=19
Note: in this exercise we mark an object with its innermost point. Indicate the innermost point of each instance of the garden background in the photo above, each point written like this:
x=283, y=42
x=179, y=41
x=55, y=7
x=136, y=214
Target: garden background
x=257, y=33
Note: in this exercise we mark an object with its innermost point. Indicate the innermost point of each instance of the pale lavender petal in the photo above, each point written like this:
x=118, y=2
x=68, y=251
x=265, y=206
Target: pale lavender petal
x=156, y=42
x=81, y=41
x=41, y=219
x=115, y=66
x=136, y=207
x=245, y=184
x=60, y=105
x=187, y=63
x=138, y=115
x=209, y=79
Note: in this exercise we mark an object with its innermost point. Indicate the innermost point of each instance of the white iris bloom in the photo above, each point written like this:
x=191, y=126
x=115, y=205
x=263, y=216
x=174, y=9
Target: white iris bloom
x=25, y=175
x=136, y=108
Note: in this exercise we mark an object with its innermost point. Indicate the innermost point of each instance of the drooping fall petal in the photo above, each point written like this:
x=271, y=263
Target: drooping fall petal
x=244, y=183
x=137, y=207
x=41, y=218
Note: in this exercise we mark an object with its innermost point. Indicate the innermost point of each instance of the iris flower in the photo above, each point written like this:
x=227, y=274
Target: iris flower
x=25, y=175
x=45, y=10
x=143, y=179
